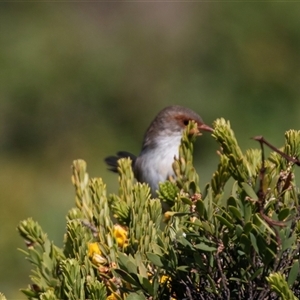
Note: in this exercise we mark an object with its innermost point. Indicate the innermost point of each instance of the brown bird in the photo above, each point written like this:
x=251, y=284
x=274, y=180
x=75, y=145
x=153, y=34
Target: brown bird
x=160, y=146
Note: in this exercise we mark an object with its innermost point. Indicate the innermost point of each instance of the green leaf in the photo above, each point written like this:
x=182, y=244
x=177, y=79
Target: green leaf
x=29, y=293
x=287, y=243
x=253, y=242
x=256, y=273
x=131, y=267
x=155, y=259
x=183, y=268
x=184, y=242
x=232, y=202
x=212, y=286
x=201, y=208
x=186, y=200
x=283, y=214
x=249, y=191
x=225, y=222
x=293, y=273
x=135, y=296
x=205, y=247
x=235, y=212
x=239, y=230
x=269, y=254
x=123, y=259
x=146, y=284
x=127, y=277
x=234, y=190
x=142, y=270
x=257, y=216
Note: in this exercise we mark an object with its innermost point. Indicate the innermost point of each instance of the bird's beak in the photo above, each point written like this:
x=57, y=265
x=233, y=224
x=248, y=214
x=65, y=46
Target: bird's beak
x=205, y=127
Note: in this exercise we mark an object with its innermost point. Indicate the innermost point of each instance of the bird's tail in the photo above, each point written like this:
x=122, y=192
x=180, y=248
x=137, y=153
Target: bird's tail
x=112, y=161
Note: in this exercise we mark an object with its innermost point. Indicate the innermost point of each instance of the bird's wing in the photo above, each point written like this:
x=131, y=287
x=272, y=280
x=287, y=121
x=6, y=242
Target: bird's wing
x=112, y=161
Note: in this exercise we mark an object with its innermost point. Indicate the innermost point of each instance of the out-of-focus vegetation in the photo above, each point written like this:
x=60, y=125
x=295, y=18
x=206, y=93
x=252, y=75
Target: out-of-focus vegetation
x=83, y=80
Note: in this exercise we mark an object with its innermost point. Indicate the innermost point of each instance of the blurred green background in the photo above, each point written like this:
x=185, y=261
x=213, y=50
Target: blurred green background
x=84, y=80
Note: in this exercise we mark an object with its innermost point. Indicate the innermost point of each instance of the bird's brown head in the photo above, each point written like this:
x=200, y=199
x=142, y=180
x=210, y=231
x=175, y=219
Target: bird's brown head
x=171, y=121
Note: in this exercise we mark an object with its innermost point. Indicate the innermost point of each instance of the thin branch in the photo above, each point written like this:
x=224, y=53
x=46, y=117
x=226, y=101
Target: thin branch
x=261, y=195
x=261, y=139
x=223, y=277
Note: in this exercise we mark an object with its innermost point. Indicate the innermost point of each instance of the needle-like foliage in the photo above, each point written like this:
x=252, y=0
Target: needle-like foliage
x=205, y=246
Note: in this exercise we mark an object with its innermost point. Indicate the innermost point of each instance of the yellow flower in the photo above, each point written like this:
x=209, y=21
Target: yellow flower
x=167, y=216
x=111, y=297
x=95, y=254
x=120, y=234
x=93, y=248
x=164, y=279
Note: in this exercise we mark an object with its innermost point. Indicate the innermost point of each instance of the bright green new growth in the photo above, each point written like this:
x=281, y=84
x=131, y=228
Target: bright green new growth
x=207, y=246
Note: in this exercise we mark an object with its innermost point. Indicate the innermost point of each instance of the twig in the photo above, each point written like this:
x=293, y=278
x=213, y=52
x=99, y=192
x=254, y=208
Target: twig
x=223, y=277
x=91, y=226
x=261, y=139
x=261, y=194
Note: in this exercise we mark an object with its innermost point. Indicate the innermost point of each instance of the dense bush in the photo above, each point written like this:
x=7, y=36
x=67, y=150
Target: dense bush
x=209, y=245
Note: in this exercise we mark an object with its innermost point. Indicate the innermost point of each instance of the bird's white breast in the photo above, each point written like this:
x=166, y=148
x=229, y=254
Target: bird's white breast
x=156, y=163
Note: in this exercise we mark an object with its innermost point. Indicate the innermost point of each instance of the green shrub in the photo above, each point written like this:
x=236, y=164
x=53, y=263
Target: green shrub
x=207, y=246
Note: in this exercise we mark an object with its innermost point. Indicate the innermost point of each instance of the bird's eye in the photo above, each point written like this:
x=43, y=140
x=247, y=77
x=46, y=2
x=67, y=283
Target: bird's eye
x=185, y=122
